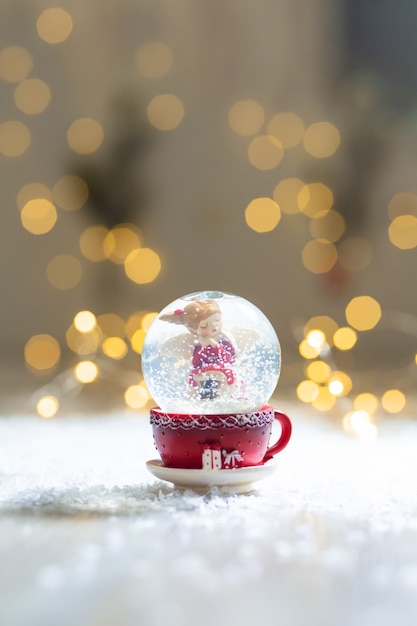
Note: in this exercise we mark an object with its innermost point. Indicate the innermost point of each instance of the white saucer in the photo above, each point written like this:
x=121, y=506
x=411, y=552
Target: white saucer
x=239, y=479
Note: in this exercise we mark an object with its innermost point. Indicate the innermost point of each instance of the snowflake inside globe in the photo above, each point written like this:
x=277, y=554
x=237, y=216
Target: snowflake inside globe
x=211, y=352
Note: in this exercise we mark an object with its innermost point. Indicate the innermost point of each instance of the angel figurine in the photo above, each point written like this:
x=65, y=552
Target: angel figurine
x=211, y=351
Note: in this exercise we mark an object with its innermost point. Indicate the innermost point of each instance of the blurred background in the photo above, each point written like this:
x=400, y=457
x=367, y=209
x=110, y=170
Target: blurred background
x=151, y=149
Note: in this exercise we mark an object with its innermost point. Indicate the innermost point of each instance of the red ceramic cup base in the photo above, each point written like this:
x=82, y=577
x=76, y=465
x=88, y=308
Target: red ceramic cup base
x=214, y=442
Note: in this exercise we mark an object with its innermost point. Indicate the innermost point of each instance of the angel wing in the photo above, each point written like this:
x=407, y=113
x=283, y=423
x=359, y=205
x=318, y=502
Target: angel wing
x=180, y=346
x=244, y=338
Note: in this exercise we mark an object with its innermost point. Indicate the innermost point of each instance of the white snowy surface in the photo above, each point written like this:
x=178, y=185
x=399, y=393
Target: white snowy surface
x=88, y=537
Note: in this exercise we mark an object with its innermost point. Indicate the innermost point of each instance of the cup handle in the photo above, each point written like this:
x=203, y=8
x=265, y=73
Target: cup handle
x=286, y=430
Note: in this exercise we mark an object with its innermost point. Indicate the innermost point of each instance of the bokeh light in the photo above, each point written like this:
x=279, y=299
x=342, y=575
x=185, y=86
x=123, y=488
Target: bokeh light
x=319, y=371
x=402, y=232
x=265, y=152
x=324, y=323
x=345, y=338
x=16, y=63
x=393, y=401
x=403, y=203
x=307, y=391
x=33, y=191
x=32, y=96
x=38, y=216
x=92, y=243
x=111, y=325
x=42, y=353
x=86, y=372
x=82, y=343
x=15, y=138
x=85, y=135
x=246, y=117
x=115, y=348
x=288, y=128
x=54, y=25
x=363, y=312
x=136, y=396
x=120, y=241
x=154, y=59
x=315, y=199
x=64, y=271
x=137, y=340
x=366, y=402
x=262, y=215
x=321, y=140
x=286, y=194
x=47, y=406
x=319, y=256
x=85, y=321
x=329, y=226
x=70, y=193
x=324, y=401
x=165, y=112
x=142, y=266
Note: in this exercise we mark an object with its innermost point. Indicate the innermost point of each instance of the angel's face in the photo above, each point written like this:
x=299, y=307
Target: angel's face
x=210, y=327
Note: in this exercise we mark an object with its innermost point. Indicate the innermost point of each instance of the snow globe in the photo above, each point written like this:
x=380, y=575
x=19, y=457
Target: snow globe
x=211, y=361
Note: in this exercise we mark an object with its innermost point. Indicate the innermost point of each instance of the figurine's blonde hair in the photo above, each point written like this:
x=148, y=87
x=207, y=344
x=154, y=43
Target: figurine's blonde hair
x=192, y=314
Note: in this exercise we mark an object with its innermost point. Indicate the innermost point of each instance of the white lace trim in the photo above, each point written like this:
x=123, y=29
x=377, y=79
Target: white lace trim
x=206, y=422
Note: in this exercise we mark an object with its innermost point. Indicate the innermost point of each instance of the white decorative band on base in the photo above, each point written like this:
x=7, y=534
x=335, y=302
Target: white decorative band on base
x=205, y=422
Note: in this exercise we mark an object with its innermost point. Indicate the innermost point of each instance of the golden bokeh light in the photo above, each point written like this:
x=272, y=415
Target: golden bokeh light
x=47, y=406
x=288, y=128
x=321, y=140
x=308, y=351
x=403, y=203
x=136, y=396
x=355, y=254
x=307, y=391
x=111, y=325
x=324, y=400
x=137, y=340
x=262, y=215
x=85, y=135
x=393, y=401
x=366, y=402
x=86, y=372
x=121, y=241
x=265, y=152
x=319, y=256
x=165, y=112
x=33, y=191
x=42, y=352
x=359, y=423
x=82, y=343
x=32, y=96
x=246, y=117
x=16, y=63
x=329, y=226
x=154, y=59
x=38, y=216
x=54, y=25
x=363, y=313
x=286, y=195
x=147, y=320
x=92, y=243
x=316, y=338
x=324, y=323
x=402, y=232
x=85, y=321
x=133, y=323
x=15, y=138
x=64, y=272
x=315, y=199
x=115, y=348
x=340, y=384
x=142, y=266
x=319, y=371
x=70, y=193
x=345, y=338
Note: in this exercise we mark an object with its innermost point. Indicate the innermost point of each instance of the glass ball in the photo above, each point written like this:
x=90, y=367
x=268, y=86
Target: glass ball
x=211, y=353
